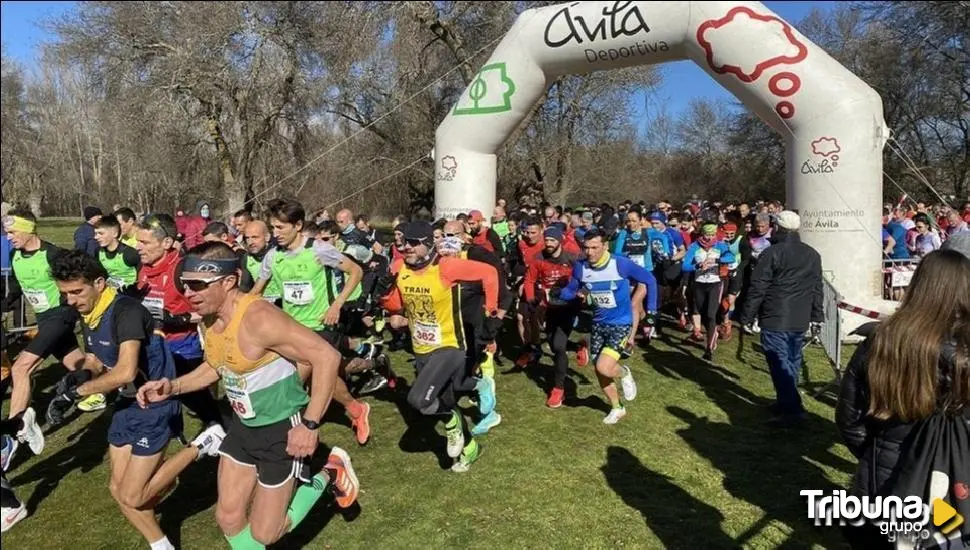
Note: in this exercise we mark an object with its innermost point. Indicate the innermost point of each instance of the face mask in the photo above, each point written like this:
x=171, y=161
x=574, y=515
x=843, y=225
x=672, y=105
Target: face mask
x=204, y=211
x=350, y=228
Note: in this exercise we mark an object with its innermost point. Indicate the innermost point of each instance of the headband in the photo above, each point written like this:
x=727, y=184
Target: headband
x=195, y=264
x=16, y=223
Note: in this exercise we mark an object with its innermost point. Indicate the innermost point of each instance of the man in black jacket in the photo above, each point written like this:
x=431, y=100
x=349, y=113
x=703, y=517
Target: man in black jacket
x=786, y=295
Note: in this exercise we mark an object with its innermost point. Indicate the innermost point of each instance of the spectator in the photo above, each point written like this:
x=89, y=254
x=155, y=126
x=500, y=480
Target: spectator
x=84, y=235
x=897, y=231
x=191, y=227
x=927, y=239
x=910, y=367
x=955, y=223
x=786, y=296
x=965, y=209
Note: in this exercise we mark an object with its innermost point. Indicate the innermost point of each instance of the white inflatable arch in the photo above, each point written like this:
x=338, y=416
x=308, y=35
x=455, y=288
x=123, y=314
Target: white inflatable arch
x=831, y=120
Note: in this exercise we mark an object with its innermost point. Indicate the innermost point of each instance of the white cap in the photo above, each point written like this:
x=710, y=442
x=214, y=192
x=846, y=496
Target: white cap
x=788, y=220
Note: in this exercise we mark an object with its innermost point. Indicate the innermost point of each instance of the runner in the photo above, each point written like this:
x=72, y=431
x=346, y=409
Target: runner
x=129, y=226
x=300, y=265
x=734, y=278
x=427, y=294
x=530, y=248
x=123, y=353
x=118, y=259
x=547, y=276
x=31, y=261
x=606, y=281
x=258, y=243
x=161, y=294
x=255, y=349
x=706, y=264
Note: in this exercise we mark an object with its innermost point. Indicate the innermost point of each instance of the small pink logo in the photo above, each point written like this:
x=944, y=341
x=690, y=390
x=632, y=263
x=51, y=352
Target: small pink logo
x=826, y=146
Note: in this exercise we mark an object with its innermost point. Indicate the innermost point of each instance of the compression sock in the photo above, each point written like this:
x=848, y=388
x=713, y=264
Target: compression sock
x=305, y=497
x=244, y=541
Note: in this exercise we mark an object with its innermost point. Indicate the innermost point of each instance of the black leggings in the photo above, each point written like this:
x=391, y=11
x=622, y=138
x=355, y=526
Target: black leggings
x=441, y=374
x=559, y=324
x=707, y=302
x=201, y=402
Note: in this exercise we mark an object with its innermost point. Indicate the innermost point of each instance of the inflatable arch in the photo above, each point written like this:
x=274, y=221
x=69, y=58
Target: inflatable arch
x=831, y=120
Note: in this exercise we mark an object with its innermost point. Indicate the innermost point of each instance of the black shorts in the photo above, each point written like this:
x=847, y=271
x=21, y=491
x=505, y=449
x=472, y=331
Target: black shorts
x=734, y=283
x=55, y=333
x=334, y=338
x=264, y=448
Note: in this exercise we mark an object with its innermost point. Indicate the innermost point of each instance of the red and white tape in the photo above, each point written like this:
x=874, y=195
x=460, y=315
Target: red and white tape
x=862, y=311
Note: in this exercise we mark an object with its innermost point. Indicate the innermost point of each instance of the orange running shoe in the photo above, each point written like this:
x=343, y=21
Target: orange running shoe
x=361, y=425
x=555, y=398
x=582, y=356
x=342, y=478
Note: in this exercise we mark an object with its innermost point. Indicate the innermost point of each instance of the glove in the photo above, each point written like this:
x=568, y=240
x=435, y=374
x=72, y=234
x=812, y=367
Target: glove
x=69, y=383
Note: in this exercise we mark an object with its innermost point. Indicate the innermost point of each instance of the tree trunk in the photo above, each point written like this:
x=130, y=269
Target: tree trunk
x=233, y=193
x=35, y=198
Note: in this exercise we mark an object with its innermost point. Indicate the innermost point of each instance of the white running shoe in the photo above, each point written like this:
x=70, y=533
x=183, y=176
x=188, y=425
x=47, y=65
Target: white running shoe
x=11, y=516
x=456, y=440
x=628, y=383
x=209, y=441
x=31, y=433
x=615, y=416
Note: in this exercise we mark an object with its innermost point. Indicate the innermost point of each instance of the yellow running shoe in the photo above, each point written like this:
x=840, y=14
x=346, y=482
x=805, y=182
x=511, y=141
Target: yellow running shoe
x=91, y=403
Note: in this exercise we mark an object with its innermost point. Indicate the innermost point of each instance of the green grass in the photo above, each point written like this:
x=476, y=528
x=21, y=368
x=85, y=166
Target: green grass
x=692, y=465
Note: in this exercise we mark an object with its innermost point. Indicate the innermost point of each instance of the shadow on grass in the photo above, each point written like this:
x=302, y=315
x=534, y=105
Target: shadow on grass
x=673, y=514
x=764, y=466
x=197, y=492
x=421, y=435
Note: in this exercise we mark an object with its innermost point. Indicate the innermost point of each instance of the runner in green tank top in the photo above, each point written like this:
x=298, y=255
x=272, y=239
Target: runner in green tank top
x=299, y=266
x=118, y=259
x=30, y=263
x=263, y=469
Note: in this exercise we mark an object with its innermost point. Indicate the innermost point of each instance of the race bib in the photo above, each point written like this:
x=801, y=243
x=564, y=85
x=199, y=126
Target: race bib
x=298, y=292
x=427, y=334
x=154, y=305
x=604, y=299
x=638, y=259
x=237, y=395
x=37, y=299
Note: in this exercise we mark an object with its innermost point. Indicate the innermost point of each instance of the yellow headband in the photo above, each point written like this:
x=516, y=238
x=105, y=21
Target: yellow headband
x=16, y=223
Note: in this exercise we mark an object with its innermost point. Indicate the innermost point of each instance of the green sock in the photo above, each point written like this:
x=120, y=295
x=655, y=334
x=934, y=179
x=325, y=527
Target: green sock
x=304, y=499
x=244, y=541
x=453, y=422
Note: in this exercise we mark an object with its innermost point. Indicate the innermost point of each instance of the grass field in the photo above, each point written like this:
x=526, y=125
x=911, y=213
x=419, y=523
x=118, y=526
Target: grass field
x=692, y=465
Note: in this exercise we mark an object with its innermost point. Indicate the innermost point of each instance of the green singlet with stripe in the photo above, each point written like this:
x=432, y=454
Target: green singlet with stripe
x=34, y=276
x=120, y=274
x=272, y=291
x=306, y=285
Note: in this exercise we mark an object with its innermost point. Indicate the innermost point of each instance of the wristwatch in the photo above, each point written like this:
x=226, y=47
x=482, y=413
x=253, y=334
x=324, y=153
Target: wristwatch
x=311, y=425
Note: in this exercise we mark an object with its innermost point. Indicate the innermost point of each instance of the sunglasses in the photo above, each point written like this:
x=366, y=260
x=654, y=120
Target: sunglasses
x=325, y=239
x=198, y=285
x=415, y=242
x=451, y=234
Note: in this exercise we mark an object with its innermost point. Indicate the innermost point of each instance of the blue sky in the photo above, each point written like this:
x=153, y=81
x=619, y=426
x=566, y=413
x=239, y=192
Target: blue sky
x=682, y=80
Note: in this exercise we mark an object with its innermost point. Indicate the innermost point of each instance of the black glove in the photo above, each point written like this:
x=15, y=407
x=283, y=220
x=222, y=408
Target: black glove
x=492, y=327
x=66, y=395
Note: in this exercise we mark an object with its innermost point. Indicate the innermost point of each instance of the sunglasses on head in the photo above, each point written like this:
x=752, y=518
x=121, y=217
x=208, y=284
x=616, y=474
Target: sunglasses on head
x=198, y=285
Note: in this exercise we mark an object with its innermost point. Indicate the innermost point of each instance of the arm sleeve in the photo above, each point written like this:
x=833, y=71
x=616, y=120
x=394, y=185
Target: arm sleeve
x=620, y=241
x=569, y=293
x=266, y=266
x=327, y=254
x=455, y=270
x=630, y=270
x=688, y=265
x=850, y=411
x=760, y=280
x=131, y=322
x=130, y=257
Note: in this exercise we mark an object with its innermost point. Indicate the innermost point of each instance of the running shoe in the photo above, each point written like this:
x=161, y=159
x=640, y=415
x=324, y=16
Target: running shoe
x=361, y=425
x=12, y=516
x=486, y=395
x=10, y=445
x=469, y=455
x=628, y=383
x=342, y=477
x=209, y=441
x=456, y=438
x=382, y=366
x=493, y=419
x=93, y=402
x=555, y=398
x=31, y=433
x=582, y=356
x=682, y=322
x=614, y=416
x=696, y=336
x=524, y=359
x=373, y=384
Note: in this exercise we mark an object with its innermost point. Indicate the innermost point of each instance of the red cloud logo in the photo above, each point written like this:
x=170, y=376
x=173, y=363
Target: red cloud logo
x=826, y=146
x=707, y=36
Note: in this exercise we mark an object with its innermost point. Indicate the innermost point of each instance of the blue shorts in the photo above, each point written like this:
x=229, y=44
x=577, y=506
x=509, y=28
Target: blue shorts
x=608, y=339
x=148, y=431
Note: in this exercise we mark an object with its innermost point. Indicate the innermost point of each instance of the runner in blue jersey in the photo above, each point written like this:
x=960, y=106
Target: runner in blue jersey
x=636, y=242
x=606, y=280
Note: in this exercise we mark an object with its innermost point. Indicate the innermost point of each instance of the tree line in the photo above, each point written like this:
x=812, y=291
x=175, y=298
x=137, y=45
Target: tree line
x=157, y=105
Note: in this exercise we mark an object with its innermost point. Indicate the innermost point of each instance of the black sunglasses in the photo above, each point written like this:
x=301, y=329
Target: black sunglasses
x=415, y=242
x=198, y=285
x=325, y=239
x=451, y=234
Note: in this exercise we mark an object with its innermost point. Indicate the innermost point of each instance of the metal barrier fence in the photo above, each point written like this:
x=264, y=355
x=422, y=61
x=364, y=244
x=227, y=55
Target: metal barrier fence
x=830, y=336
x=897, y=275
